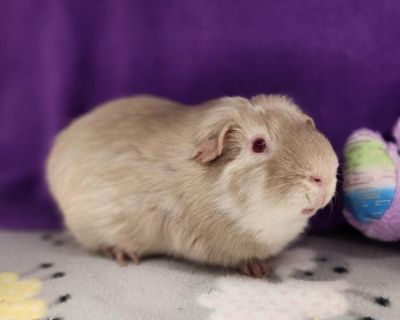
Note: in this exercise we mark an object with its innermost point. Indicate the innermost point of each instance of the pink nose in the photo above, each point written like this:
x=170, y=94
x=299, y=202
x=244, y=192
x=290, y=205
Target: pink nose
x=316, y=180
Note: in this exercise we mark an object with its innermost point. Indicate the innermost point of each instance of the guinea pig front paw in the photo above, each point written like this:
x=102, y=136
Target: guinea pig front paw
x=254, y=268
x=122, y=257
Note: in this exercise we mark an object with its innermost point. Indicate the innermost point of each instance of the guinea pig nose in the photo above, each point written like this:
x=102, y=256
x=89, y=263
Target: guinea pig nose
x=316, y=180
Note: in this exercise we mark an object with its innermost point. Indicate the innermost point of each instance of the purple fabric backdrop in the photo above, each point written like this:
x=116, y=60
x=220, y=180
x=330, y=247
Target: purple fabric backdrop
x=338, y=59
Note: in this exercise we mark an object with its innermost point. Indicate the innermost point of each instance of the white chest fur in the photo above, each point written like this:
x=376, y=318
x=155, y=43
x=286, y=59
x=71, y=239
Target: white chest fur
x=274, y=226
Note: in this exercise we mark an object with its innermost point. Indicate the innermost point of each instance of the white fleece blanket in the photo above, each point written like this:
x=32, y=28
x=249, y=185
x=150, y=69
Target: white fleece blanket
x=320, y=278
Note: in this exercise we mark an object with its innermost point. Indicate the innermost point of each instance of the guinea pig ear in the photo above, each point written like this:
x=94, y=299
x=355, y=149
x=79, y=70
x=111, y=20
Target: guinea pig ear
x=212, y=147
x=310, y=122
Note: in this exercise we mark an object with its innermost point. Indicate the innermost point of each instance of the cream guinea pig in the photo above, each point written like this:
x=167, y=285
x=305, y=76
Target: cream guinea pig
x=229, y=182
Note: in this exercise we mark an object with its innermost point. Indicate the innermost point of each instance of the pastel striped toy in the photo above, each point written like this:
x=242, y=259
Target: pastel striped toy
x=371, y=180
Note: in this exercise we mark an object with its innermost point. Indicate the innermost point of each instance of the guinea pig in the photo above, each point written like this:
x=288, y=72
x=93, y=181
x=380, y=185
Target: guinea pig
x=229, y=182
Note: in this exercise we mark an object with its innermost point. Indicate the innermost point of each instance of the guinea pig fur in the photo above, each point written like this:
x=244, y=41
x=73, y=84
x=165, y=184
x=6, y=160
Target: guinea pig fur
x=230, y=182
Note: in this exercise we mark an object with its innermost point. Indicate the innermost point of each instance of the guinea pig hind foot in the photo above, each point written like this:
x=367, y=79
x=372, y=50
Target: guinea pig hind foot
x=121, y=256
x=254, y=268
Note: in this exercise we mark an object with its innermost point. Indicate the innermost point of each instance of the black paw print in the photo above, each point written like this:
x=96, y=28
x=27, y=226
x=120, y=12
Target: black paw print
x=63, y=298
x=340, y=270
x=49, y=236
x=382, y=301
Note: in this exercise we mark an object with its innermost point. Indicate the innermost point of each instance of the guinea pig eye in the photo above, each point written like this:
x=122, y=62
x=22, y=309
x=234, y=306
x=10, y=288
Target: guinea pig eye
x=259, y=145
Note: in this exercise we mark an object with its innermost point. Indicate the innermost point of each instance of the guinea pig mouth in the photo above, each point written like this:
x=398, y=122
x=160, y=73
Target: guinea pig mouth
x=308, y=211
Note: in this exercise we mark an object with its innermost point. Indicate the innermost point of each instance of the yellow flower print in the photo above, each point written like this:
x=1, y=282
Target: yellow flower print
x=16, y=301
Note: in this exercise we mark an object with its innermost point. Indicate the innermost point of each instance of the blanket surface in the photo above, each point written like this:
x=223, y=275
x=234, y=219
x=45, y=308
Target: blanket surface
x=48, y=276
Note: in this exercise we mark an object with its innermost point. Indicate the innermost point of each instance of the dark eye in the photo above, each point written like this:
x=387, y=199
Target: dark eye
x=259, y=145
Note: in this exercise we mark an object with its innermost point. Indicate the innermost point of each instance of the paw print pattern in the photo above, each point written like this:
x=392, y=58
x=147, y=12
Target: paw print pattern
x=52, y=275
x=50, y=237
x=242, y=298
x=314, y=286
x=18, y=298
x=62, y=298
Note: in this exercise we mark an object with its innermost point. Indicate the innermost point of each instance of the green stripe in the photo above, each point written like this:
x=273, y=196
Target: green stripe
x=366, y=154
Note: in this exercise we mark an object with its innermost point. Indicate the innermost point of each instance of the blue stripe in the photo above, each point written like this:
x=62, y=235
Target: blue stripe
x=369, y=204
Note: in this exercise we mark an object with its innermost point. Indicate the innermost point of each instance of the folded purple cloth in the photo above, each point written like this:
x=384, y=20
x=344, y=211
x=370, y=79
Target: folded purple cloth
x=339, y=60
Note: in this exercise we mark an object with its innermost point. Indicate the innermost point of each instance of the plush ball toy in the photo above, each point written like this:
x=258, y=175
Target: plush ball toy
x=372, y=184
